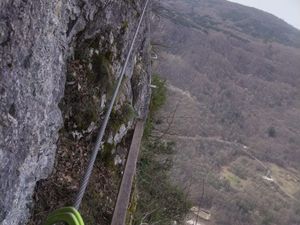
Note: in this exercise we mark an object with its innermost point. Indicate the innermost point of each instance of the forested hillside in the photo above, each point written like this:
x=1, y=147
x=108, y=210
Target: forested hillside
x=233, y=77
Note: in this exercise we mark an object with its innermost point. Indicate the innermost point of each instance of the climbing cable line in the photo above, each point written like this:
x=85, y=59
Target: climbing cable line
x=98, y=144
x=70, y=215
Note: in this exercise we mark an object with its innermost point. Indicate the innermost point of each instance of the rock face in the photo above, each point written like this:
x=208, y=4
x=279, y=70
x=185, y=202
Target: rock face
x=36, y=40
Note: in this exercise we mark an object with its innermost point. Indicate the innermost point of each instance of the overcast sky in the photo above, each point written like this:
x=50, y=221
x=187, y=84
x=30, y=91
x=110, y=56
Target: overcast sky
x=288, y=10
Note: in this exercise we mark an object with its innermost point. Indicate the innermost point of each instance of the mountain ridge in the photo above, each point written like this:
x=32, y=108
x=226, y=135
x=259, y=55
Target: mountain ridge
x=267, y=12
x=232, y=14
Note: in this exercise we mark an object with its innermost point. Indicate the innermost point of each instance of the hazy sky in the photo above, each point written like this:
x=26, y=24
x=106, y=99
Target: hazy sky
x=288, y=10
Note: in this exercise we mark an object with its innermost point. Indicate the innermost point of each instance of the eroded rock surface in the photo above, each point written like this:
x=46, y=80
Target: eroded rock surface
x=36, y=40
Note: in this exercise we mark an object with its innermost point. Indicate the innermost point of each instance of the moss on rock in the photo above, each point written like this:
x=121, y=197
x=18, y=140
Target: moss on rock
x=121, y=116
x=106, y=154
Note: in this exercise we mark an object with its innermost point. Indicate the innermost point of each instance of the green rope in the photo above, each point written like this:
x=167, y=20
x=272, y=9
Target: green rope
x=68, y=215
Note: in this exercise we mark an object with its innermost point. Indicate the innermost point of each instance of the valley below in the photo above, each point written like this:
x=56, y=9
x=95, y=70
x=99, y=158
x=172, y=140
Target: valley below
x=232, y=109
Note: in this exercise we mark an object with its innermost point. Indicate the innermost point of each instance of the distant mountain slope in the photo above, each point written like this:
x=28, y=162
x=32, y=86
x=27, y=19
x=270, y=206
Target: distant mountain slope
x=230, y=18
x=249, y=84
x=240, y=68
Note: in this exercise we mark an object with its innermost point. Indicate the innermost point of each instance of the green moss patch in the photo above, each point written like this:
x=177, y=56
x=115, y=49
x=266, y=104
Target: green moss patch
x=106, y=154
x=121, y=116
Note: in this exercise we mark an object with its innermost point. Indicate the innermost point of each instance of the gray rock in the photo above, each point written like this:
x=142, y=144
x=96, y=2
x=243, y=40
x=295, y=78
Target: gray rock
x=36, y=39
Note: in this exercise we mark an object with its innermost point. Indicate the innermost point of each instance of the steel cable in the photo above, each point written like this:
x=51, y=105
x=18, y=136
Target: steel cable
x=98, y=143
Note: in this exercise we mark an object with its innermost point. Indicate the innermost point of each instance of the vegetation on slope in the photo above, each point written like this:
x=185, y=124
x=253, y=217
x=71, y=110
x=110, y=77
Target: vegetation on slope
x=159, y=201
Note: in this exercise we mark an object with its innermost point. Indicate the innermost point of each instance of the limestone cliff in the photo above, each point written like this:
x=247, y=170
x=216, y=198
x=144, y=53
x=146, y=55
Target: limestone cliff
x=38, y=39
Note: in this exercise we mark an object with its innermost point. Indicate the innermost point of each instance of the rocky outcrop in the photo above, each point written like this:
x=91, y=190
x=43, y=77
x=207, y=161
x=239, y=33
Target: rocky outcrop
x=36, y=40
